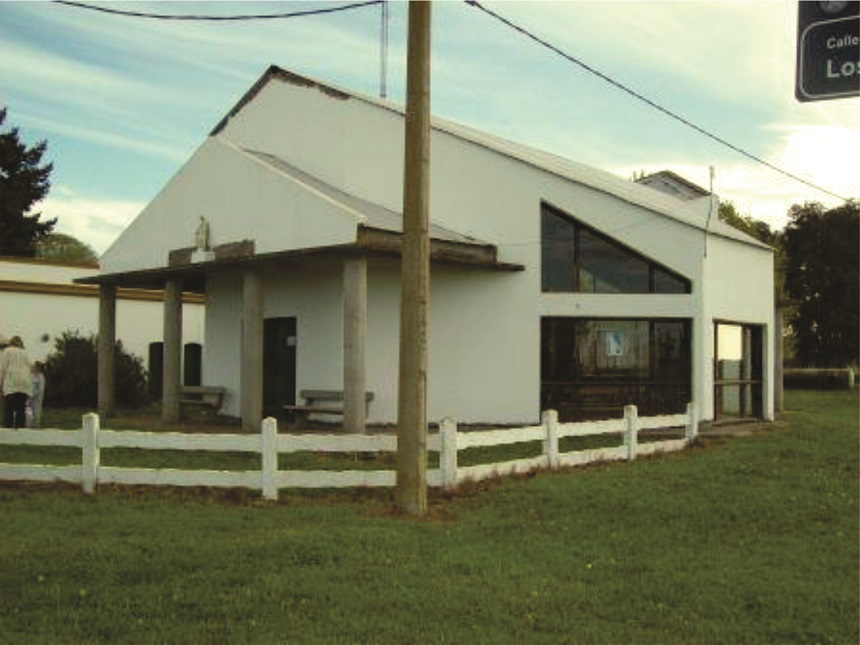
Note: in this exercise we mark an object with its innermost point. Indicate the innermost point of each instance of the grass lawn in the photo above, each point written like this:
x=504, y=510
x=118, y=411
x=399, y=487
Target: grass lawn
x=750, y=539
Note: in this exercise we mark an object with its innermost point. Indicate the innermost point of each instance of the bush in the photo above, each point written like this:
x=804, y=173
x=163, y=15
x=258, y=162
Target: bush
x=71, y=373
x=818, y=379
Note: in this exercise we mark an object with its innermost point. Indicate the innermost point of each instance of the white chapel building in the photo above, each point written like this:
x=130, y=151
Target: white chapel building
x=553, y=285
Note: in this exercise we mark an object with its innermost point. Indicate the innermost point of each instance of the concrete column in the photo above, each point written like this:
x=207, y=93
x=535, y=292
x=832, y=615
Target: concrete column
x=172, y=351
x=252, y=352
x=354, y=341
x=778, y=357
x=106, y=349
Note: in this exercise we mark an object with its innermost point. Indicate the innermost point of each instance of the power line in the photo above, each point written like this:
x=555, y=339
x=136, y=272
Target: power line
x=674, y=115
x=234, y=18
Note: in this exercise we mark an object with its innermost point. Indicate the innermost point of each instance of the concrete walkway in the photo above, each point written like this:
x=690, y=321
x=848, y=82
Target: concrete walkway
x=740, y=428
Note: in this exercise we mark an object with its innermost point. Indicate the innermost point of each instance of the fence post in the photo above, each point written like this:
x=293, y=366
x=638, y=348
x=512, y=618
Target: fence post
x=269, y=455
x=631, y=434
x=692, y=422
x=549, y=420
x=90, y=454
x=448, y=453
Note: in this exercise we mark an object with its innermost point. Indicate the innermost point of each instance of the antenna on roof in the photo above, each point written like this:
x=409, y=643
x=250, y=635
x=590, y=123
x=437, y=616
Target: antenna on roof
x=712, y=173
x=383, y=49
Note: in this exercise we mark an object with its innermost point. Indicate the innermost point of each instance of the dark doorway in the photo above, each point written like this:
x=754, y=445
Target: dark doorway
x=192, y=370
x=156, y=370
x=738, y=368
x=279, y=365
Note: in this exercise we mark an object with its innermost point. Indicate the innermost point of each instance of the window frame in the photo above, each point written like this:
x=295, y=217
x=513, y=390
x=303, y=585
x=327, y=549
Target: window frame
x=654, y=267
x=580, y=391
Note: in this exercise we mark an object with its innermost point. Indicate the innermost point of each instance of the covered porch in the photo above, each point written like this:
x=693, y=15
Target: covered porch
x=192, y=269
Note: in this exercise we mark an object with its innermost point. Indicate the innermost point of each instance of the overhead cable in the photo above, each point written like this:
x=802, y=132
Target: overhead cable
x=674, y=115
x=234, y=18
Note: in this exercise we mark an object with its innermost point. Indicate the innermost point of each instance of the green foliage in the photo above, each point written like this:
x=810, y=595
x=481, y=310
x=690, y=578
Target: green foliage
x=739, y=540
x=822, y=280
x=23, y=182
x=71, y=373
x=750, y=225
x=59, y=247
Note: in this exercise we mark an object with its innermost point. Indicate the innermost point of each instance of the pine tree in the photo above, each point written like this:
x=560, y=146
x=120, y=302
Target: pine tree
x=23, y=183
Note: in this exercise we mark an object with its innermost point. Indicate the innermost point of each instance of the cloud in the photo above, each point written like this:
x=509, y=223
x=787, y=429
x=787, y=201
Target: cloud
x=154, y=88
x=696, y=44
x=822, y=154
x=93, y=220
x=169, y=151
x=39, y=72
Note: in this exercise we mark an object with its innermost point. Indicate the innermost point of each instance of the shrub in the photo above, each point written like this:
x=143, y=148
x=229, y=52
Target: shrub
x=818, y=379
x=71, y=373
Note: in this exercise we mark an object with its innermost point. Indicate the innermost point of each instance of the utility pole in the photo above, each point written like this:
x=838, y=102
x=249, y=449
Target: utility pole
x=415, y=271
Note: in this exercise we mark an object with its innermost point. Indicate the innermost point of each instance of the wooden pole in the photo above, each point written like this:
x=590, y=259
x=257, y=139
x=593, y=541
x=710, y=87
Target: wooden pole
x=106, y=349
x=415, y=271
x=172, y=351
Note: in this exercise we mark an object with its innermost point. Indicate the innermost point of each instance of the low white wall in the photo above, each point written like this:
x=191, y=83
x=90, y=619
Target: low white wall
x=40, y=318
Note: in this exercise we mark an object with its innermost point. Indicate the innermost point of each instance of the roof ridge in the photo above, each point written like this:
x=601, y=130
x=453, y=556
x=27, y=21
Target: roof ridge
x=595, y=178
x=366, y=212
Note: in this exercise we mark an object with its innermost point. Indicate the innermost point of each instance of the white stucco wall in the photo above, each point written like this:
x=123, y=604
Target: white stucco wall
x=468, y=351
x=484, y=327
x=309, y=292
x=739, y=288
x=241, y=198
x=342, y=141
x=40, y=318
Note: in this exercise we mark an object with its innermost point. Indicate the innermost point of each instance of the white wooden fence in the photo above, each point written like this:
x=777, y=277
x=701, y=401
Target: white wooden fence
x=269, y=444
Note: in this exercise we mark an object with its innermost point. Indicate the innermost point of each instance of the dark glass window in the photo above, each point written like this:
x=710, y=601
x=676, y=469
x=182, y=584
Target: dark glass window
x=577, y=259
x=607, y=268
x=665, y=282
x=558, y=243
x=592, y=367
x=671, y=349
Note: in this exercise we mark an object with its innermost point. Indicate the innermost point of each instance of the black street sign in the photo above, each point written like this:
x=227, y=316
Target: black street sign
x=828, y=50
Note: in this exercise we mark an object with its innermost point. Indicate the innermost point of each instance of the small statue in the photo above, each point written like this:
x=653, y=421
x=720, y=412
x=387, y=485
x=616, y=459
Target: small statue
x=201, y=236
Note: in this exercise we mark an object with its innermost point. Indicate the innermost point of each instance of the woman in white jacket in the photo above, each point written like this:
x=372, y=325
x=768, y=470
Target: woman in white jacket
x=16, y=381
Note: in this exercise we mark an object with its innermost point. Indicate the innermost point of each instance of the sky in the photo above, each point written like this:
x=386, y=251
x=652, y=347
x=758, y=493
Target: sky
x=123, y=102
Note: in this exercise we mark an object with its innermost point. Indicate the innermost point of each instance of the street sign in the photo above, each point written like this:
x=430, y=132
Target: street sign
x=828, y=50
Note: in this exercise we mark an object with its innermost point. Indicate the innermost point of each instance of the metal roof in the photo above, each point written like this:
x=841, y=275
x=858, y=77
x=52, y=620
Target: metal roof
x=372, y=215
x=698, y=213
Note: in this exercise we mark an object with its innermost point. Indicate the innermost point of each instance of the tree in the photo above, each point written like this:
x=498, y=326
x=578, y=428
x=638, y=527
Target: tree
x=59, y=247
x=23, y=183
x=751, y=226
x=71, y=373
x=822, y=280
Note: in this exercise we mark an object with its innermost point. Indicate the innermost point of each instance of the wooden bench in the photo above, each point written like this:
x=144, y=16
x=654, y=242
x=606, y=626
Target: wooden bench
x=320, y=402
x=206, y=397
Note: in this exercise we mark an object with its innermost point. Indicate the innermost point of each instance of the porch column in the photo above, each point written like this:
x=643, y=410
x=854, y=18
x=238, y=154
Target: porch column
x=354, y=340
x=106, y=349
x=251, y=373
x=172, y=351
x=778, y=355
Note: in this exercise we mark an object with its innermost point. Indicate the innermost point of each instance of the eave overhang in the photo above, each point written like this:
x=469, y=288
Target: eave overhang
x=369, y=242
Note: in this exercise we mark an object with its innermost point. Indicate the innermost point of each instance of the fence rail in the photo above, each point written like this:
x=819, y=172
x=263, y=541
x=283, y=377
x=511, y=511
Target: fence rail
x=269, y=444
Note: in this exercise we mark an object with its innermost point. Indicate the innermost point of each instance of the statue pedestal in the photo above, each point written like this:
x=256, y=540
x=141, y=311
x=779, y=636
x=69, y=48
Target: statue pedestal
x=202, y=256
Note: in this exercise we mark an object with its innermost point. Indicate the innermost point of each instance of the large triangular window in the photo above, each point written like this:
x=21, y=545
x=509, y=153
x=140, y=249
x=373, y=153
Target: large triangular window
x=576, y=258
